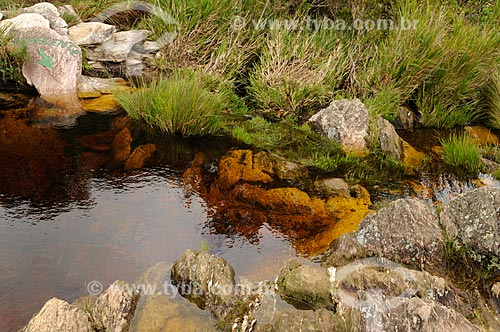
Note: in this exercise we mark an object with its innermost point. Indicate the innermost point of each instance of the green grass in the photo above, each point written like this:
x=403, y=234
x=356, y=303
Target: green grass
x=493, y=101
x=460, y=152
x=177, y=105
x=12, y=57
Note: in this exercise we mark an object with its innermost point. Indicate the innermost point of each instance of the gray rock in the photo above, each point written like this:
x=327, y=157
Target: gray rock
x=151, y=46
x=490, y=165
x=304, y=321
x=389, y=140
x=53, y=65
x=308, y=284
x=92, y=87
x=333, y=186
x=115, y=308
x=49, y=11
x=205, y=277
x=405, y=119
x=406, y=231
x=24, y=21
x=118, y=47
x=134, y=67
x=89, y=33
x=345, y=121
x=473, y=219
x=59, y=316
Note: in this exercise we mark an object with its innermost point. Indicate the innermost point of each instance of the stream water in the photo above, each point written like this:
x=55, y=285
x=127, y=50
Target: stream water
x=67, y=218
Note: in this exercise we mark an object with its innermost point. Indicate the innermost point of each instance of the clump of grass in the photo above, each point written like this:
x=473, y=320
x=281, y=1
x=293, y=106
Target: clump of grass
x=12, y=57
x=177, y=105
x=460, y=152
x=493, y=101
x=496, y=174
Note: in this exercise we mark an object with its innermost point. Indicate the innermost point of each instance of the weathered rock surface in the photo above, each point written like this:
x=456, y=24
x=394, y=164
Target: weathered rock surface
x=93, y=87
x=24, y=21
x=482, y=135
x=305, y=321
x=345, y=121
x=115, y=308
x=50, y=12
x=279, y=166
x=118, y=47
x=407, y=231
x=389, y=140
x=139, y=156
x=59, y=316
x=89, y=33
x=333, y=186
x=206, y=277
x=473, y=219
x=308, y=284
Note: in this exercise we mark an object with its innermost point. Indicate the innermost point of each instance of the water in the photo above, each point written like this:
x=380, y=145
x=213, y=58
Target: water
x=66, y=218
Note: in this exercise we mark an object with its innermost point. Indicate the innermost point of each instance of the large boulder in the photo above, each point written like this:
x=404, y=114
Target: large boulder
x=202, y=276
x=345, y=121
x=473, y=219
x=406, y=231
x=59, y=316
x=50, y=12
x=24, y=21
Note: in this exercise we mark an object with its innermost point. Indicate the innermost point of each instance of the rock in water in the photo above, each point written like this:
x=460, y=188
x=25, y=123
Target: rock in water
x=345, y=121
x=58, y=315
x=53, y=65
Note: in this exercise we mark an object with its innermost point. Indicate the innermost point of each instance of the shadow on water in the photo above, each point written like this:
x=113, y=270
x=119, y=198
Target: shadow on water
x=70, y=214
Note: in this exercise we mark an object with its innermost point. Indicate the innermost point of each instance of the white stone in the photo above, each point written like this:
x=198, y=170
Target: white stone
x=118, y=47
x=89, y=33
x=49, y=11
x=24, y=21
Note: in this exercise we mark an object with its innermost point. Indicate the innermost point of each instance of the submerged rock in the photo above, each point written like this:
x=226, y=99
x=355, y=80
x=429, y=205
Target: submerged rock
x=121, y=146
x=482, y=135
x=473, y=219
x=406, y=231
x=58, y=315
x=139, y=156
x=345, y=121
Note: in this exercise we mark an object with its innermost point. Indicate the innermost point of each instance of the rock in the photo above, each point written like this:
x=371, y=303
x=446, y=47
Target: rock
x=1, y=16
x=239, y=166
x=405, y=119
x=495, y=296
x=412, y=159
x=150, y=46
x=473, y=219
x=59, y=316
x=49, y=11
x=309, y=285
x=345, y=121
x=68, y=10
x=134, y=67
x=92, y=87
x=200, y=275
x=406, y=231
x=139, y=156
x=279, y=166
x=333, y=186
x=121, y=146
x=53, y=65
x=24, y=21
x=482, y=135
x=115, y=308
x=490, y=166
x=89, y=33
x=304, y=321
x=117, y=48
x=104, y=104
x=389, y=140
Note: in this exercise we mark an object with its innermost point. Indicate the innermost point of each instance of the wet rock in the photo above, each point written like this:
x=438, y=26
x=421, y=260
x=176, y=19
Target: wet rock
x=49, y=11
x=389, y=140
x=305, y=321
x=97, y=142
x=239, y=166
x=58, y=315
x=92, y=87
x=139, y=156
x=115, y=308
x=482, y=135
x=473, y=219
x=24, y=21
x=118, y=47
x=405, y=119
x=121, y=146
x=105, y=104
x=412, y=159
x=279, y=166
x=206, y=277
x=406, y=231
x=309, y=285
x=345, y=121
x=166, y=311
x=89, y=33
x=333, y=186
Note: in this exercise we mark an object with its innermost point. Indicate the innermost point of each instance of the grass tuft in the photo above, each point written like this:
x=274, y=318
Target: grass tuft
x=177, y=105
x=460, y=152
